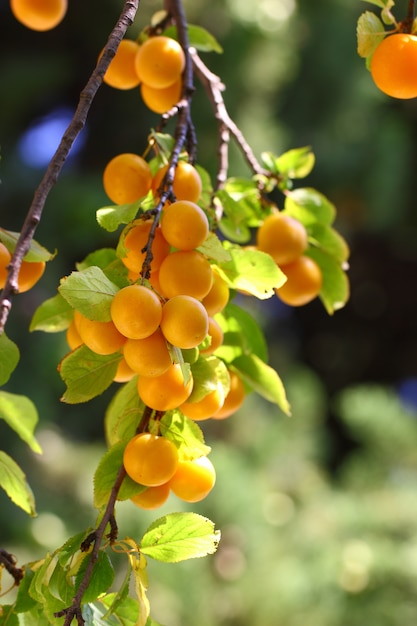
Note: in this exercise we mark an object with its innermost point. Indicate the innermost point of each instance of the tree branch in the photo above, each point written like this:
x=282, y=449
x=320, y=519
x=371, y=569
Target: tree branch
x=57, y=162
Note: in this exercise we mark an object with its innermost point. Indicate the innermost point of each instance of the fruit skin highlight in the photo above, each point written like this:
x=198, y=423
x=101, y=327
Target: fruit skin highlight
x=283, y=237
x=394, y=66
x=193, y=480
x=160, y=61
x=136, y=311
x=150, y=460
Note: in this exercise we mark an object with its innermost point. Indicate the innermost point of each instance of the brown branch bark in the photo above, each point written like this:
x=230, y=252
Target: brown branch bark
x=57, y=162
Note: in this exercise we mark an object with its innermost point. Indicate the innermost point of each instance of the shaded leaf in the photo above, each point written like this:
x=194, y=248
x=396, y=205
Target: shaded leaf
x=36, y=252
x=185, y=433
x=9, y=358
x=13, y=481
x=52, y=316
x=106, y=474
x=370, y=32
x=90, y=292
x=242, y=334
x=335, y=290
x=123, y=413
x=101, y=578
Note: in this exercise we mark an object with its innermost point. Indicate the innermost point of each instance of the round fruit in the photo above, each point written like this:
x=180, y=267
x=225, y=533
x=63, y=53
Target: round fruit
x=394, y=66
x=126, y=178
x=161, y=100
x=124, y=373
x=121, y=73
x=152, y=497
x=136, y=311
x=165, y=392
x=186, y=272
x=184, y=322
x=206, y=407
x=149, y=356
x=40, y=15
x=101, y=337
x=160, y=61
x=283, y=237
x=135, y=238
x=184, y=225
x=217, y=297
x=72, y=336
x=234, y=399
x=29, y=272
x=187, y=183
x=303, y=284
x=150, y=460
x=193, y=480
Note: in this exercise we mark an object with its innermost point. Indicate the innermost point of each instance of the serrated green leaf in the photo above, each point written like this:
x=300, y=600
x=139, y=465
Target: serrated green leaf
x=242, y=334
x=309, y=206
x=233, y=223
x=70, y=547
x=185, y=433
x=370, y=32
x=21, y=415
x=36, y=252
x=9, y=358
x=52, y=316
x=252, y=271
x=198, y=37
x=13, y=481
x=263, y=379
x=335, y=290
x=213, y=249
x=101, y=578
x=329, y=241
x=87, y=374
x=180, y=536
x=106, y=474
x=102, y=258
x=90, y=292
x=123, y=413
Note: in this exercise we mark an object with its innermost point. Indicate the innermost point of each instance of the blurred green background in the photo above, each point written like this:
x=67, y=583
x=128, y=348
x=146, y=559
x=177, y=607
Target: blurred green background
x=318, y=512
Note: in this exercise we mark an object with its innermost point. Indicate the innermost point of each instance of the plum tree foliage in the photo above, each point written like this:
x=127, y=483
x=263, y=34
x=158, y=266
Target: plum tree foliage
x=157, y=317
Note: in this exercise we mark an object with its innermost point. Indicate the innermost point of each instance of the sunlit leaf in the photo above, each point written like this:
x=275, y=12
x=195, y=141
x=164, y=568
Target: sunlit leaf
x=9, y=358
x=208, y=372
x=90, y=292
x=309, y=206
x=52, y=316
x=21, y=415
x=213, y=249
x=111, y=217
x=180, y=536
x=329, y=240
x=199, y=38
x=263, y=379
x=125, y=610
x=252, y=271
x=370, y=32
x=140, y=576
x=13, y=481
x=185, y=433
x=233, y=223
x=87, y=374
x=296, y=163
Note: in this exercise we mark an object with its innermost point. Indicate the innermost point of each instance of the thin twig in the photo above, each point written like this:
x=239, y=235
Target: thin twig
x=407, y=24
x=214, y=87
x=58, y=160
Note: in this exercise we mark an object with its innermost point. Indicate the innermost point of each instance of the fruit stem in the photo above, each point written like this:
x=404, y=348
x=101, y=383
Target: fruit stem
x=407, y=24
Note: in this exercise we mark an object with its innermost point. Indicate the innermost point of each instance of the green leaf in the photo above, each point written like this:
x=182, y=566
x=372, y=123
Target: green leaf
x=185, y=433
x=111, y=217
x=329, y=241
x=246, y=193
x=36, y=252
x=102, y=258
x=252, y=271
x=8, y=616
x=24, y=602
x=208, y=372
x=14, y=483
x=52, y=316
x=295, y=163
x=87, y=374
x=213, y=249
x=233, y=222
x=263, y=379
x=335, y=290
x=106, y=474
x=123, y=413
x=198, y=37
x=309, y=206
x=180, y=536
x=101, y=578
x=9, y=358
x=370, y=32
x=126, y=611
x=138, y=564
x=242, y=334
x=21, y=415
x=90, y=292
